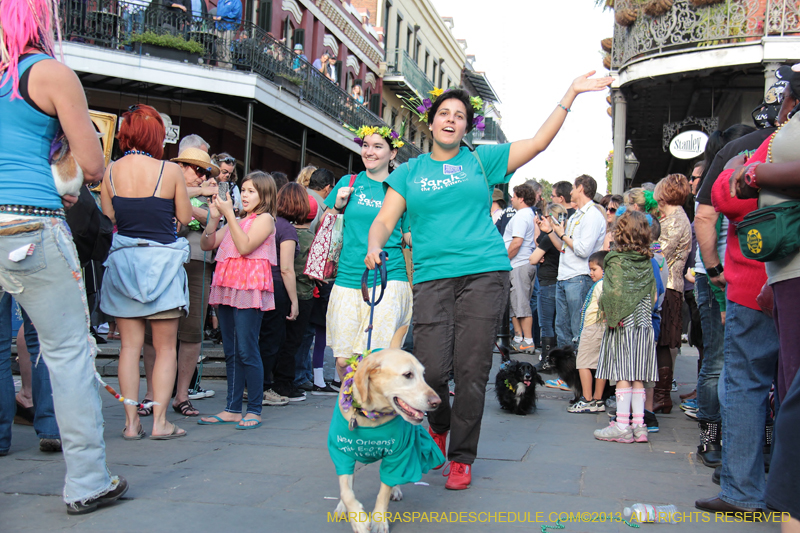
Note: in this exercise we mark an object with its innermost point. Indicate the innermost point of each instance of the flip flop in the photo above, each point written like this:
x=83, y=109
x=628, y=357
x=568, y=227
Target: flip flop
x=138, y=436
x=254, y=426
x=220, y=422
x=173, y=435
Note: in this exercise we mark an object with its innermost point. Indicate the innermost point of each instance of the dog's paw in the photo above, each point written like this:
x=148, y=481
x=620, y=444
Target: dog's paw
x=340, y=512
x=397, y=494
x=379, y=527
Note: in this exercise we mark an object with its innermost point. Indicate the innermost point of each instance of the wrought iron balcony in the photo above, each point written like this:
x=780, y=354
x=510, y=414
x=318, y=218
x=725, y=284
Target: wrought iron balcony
x=403, y=69
x=492, y=134
x=239, y=46
x=685, y=26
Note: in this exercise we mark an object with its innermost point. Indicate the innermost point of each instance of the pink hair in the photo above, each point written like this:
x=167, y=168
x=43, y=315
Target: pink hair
x=23, y=24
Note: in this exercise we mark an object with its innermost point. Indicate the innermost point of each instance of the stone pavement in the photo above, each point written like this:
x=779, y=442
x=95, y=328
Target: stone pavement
x=279, y=478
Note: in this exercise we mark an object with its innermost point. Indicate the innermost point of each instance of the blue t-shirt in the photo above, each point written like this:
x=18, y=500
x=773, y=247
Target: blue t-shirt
x=448, y=205
x=363, y=206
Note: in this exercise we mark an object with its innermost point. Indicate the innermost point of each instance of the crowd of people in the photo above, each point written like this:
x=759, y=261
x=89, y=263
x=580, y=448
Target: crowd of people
x=607, y=277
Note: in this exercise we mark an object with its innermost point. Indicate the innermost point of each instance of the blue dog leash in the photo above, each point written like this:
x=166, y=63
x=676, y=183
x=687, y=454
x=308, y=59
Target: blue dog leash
x=379, y=270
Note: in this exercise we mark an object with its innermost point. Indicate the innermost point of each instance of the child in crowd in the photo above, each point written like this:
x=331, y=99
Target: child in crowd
x=661, y=272
x=242, y=290
x=627, y=352
x=592, y=328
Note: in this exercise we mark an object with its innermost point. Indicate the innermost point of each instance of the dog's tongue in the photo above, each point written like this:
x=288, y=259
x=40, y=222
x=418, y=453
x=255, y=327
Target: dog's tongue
x=527, y=383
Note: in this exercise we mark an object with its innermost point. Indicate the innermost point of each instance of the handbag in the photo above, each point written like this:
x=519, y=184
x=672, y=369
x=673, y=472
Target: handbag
x=326, y=248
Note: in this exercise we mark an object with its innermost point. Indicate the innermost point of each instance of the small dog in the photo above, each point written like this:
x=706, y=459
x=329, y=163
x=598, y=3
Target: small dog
x=515, y=386
x=563, y=361
x=388, y=388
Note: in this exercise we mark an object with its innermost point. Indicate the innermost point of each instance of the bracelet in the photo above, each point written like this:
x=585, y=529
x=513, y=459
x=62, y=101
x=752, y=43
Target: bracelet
x=568, y=110
x=750, y=175
x=549, y=232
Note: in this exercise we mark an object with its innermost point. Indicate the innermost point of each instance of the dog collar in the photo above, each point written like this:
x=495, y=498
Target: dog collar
x=346, y=399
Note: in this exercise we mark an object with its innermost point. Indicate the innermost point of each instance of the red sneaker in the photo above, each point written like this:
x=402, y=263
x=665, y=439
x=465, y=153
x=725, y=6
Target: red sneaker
x=459, y=476
x=441, y=441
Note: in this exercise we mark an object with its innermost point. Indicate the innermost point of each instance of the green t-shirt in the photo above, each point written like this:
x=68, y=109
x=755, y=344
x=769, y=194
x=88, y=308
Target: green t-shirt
x=448, y=207
x=362, y=208
x=406, y=451
x=305, y=285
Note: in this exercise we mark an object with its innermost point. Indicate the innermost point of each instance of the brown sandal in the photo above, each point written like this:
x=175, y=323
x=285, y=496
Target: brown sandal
x=184, y=408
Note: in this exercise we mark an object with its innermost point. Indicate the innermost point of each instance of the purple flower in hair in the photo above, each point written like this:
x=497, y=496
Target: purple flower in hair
x=395, y=135
x=478, y=123
x=421, y=108
x=358, y=140
x=427, y=103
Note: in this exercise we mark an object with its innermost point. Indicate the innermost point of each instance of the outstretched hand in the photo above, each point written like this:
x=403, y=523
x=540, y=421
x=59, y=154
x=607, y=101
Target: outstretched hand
x=586, y=83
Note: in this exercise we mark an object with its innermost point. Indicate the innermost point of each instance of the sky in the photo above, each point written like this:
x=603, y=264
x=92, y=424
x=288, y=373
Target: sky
x=531, y=50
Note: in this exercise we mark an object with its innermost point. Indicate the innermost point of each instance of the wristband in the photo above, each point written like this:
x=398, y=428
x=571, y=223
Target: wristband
x=715, y=271
x=750, y=175
x=549, y=232
x=568, y=110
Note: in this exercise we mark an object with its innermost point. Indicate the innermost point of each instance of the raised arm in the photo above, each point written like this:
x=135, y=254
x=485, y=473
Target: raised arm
x=523, y=151
x=394, y=205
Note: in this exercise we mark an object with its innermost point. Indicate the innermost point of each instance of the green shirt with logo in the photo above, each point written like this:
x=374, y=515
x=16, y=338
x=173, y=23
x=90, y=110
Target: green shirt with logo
x=448, y=208
x=363, y=206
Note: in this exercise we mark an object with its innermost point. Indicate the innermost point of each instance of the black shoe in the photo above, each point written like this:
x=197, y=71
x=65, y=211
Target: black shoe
x=650, y=421
x=716, y=505
x=119, y=488
x=294, y=394
x=716, y=475
x=710, y=450
x=335, y=385
x=97, y=338
x=327, y=390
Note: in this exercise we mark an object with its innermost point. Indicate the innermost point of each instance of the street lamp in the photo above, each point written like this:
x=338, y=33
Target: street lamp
x=631, y=164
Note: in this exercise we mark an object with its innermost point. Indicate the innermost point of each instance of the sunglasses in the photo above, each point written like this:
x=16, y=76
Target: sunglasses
x=134, y=107
x=201, y=171
x=612, y=210
x=226, y=160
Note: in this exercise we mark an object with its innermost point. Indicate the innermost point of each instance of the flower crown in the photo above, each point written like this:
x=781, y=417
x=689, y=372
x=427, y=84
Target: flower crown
x=420, y=106
x=396, y=139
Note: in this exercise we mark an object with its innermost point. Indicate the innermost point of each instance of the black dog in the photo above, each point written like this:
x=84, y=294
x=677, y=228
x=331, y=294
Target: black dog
x=563, y=361
x=515, y=386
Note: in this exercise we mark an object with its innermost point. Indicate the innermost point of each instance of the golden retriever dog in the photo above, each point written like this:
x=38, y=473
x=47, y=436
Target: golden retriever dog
x=378, y=419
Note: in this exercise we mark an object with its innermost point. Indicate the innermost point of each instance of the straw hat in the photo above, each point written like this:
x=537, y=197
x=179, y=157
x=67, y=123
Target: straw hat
x=196, y=156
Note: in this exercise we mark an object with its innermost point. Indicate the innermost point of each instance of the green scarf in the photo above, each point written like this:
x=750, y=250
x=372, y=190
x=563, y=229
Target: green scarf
x=627, y=280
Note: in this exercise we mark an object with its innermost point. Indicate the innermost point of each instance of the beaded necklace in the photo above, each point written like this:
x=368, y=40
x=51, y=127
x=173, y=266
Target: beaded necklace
x=137, y=152
x=771, y=140
x=346, y=399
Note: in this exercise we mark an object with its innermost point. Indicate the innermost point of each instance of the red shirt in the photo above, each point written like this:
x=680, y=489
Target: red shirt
x=745, y=277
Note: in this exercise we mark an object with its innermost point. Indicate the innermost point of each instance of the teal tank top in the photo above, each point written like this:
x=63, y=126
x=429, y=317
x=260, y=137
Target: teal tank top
x=26, y=133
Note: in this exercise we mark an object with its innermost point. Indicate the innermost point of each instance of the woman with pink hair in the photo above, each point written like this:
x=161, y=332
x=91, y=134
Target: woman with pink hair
x=38, y=261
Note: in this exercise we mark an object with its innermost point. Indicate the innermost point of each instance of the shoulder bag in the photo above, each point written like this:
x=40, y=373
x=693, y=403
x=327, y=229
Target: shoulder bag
x=323, y=256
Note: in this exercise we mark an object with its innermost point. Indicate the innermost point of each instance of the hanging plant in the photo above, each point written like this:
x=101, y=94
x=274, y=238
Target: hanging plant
x=656, y=8
x=606, y=44
x=626, y=17
x=701, y=3
x=607, y=61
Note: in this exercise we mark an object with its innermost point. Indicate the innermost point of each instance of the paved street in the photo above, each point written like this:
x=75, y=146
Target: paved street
x=279, y=477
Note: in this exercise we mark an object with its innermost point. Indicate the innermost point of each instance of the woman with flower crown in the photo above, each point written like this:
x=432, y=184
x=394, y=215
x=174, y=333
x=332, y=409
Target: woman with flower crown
x=348, y=314
x=461, y=266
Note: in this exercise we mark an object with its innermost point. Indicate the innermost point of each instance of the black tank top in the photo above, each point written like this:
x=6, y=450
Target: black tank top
x=151, y=217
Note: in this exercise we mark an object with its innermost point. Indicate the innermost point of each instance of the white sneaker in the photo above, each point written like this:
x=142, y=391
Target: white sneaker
x=199, y=393
x=614, y=434
x=273, y=398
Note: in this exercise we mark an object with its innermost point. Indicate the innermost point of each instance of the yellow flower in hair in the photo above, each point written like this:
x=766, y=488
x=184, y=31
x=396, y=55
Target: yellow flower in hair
x=436, y=92
x=366, y=131
x=399, y=144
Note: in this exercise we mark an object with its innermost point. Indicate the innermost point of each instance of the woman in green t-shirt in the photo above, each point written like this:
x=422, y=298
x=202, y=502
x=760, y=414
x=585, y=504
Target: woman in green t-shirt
x=460, y=263
x=348, y=315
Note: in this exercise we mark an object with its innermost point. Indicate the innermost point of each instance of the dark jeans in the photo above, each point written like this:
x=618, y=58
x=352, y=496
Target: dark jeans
x=295, y=330
x=537, y=334
x=787, y=320
x=713, y=332
x=303, y=363
x=44, y=421
x=547, y=310
x=455, y=323
x=239, y=329
x=278, y=366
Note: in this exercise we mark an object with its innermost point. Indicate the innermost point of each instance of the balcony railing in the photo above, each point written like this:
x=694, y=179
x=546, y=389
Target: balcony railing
x=237, y=46
x=492, y=133
x=685, y=26
x=401, y=64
